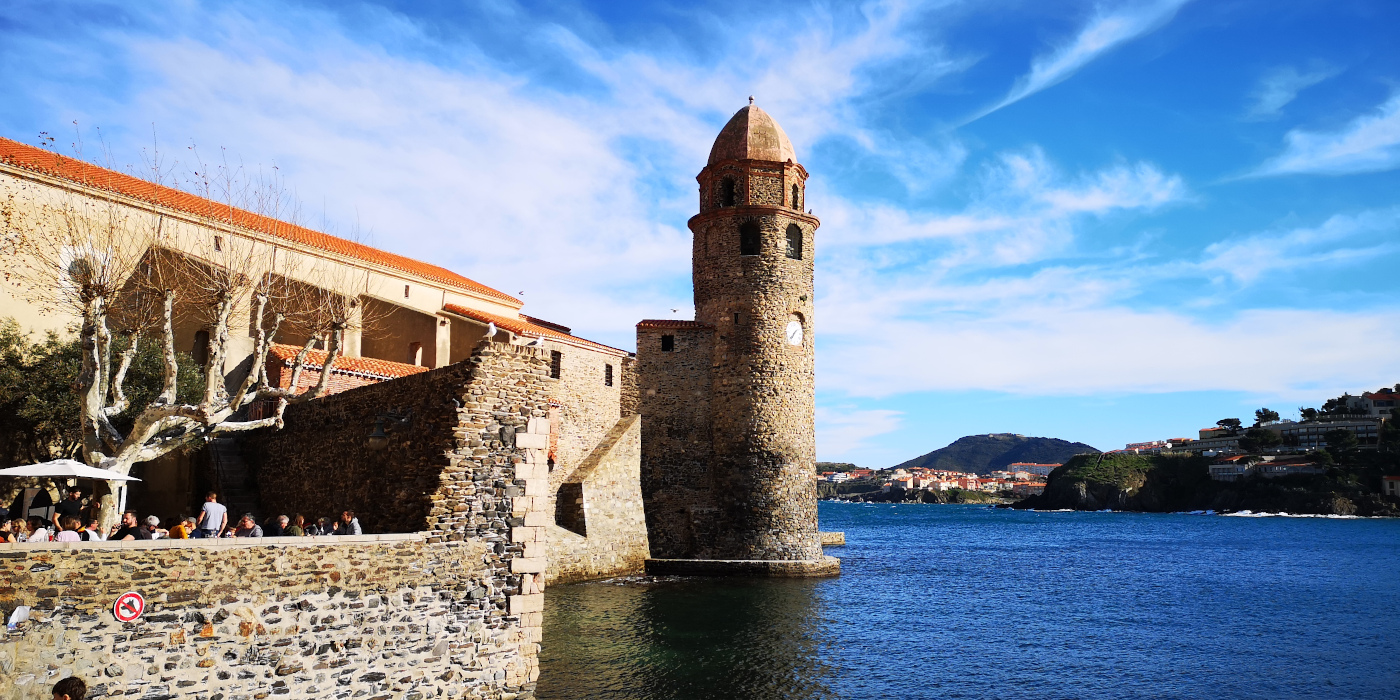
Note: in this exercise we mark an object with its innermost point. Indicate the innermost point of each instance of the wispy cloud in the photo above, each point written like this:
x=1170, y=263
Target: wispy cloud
x=1104, y=32
x=1369, y=143
x=846, y=429
x=1280, y=86
x=1338, y=240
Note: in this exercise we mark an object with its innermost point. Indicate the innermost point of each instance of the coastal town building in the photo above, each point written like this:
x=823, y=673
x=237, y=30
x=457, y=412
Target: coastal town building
x=1034, y=468
x=1390, y=486
x=1236, y=467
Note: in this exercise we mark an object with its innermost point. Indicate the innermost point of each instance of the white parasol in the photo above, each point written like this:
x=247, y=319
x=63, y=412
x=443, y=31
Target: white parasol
x=66, y=469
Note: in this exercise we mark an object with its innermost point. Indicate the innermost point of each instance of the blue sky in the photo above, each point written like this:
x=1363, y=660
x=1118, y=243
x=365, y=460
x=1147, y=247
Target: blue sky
x=1104, y=222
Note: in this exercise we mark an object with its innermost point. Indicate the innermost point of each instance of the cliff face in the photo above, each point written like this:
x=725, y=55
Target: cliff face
x=1164, y=484
x=983, y=454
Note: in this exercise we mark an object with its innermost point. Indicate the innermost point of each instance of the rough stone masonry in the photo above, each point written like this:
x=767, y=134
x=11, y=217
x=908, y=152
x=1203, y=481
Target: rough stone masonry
x=451, y=608
x=727, y=400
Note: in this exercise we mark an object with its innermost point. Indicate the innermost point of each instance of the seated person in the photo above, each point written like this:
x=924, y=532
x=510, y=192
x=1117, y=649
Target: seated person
x=182, y=529
x=93, y=531
x=69, y=529
x=153, y=527
x=248, y=527
x=349, y=524
x=70, y=688
x=296, y=529
x=37, y=531
x=128, y=529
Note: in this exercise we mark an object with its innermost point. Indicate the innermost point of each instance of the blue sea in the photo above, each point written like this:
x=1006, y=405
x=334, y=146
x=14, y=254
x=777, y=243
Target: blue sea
x=953, y=601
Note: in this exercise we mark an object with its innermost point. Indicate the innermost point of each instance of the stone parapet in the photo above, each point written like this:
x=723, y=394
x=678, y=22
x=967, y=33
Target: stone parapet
x=771, y=568
x=371, y=616
x=832, y=539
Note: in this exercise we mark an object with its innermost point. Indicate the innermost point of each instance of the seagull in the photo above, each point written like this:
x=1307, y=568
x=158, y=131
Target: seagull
x=674, y=310
x=538, y=342
x=490, y=330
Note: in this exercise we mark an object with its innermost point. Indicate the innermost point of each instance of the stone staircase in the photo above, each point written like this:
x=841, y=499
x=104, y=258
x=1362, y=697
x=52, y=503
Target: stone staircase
x=236, y=486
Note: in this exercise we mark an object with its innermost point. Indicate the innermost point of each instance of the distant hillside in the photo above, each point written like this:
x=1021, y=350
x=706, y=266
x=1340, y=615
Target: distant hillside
x=987, y=453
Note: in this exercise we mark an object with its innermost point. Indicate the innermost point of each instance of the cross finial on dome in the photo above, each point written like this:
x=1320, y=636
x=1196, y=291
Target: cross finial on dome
x=750, y=99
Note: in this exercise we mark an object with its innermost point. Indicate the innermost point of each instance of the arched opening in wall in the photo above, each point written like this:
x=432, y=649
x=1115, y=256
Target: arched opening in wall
x=726, y=192
x=568, y=509
x=415, y=354
x=749, y=239
x=794, y=242
x=200, y=351
x=796, y=198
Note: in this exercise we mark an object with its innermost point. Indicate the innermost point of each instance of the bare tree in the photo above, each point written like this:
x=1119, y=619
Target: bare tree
x=133, y=271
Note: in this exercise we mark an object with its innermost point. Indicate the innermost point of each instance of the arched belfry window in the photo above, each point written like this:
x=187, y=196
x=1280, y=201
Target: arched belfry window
x=726, y=192
x=796, y=198
x=794, y=242
x=749, y=240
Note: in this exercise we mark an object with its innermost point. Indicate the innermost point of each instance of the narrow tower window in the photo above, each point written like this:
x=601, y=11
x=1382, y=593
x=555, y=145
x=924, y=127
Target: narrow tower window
x=726, y=192
x=607, y=375
x=556, y=363
x=796, y=203
x=405, y=291
x=794, y=242
x=668, y=343
x=748, y=239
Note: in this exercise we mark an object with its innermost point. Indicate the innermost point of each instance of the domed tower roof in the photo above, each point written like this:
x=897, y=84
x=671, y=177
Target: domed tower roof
x=752, y=134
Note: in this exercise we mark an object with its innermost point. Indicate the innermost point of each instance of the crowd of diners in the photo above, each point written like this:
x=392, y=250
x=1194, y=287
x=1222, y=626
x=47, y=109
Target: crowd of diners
x=76, y=521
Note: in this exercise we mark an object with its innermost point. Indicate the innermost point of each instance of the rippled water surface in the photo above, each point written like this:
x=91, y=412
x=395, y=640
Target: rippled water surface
x=943, y=601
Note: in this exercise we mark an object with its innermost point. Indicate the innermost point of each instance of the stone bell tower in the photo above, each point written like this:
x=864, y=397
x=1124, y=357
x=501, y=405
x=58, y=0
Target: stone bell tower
x=728, y=399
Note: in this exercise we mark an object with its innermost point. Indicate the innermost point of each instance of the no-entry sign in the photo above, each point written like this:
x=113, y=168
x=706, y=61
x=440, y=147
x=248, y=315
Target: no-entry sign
x=129, y=606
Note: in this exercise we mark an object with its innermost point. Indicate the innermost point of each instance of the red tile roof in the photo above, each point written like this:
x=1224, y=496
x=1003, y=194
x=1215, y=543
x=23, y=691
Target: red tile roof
x=366, y=366
x=670, y=323
x=524, y=325
x=49, y=163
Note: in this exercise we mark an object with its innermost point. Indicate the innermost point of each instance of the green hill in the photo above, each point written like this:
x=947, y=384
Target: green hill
x=983, y=454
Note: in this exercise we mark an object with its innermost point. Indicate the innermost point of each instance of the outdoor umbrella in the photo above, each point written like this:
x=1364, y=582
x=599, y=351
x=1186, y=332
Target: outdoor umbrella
x=66, y=469
x=71, y=469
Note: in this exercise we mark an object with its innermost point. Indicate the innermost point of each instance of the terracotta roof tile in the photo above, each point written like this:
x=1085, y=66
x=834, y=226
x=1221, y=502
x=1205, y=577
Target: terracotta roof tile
x=49, y=163
x=670, y=323
x=524, y=325
x=368, y=366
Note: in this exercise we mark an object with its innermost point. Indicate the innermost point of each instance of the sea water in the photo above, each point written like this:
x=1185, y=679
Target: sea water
x=953, y=601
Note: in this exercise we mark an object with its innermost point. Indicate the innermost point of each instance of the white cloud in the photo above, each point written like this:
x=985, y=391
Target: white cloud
x=1370, y=143
x=1280, y=86
x=1054, y=349
x=845, y=429
x=1105, y=31
x=1246, y=260
x=576, y=197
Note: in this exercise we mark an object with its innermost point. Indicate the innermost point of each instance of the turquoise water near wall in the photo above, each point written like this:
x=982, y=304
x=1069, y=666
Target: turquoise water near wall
x=947, y=601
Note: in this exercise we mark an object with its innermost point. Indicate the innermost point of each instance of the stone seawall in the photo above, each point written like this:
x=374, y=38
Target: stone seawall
x=372, y=616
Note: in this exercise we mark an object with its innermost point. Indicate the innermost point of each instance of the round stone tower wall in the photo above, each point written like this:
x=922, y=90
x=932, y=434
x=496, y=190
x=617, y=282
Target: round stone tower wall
x=753, y=278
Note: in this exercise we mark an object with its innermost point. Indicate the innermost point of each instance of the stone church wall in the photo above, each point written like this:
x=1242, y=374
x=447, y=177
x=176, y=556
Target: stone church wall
x=674, y=391
x=600, y=528
x=371, y=616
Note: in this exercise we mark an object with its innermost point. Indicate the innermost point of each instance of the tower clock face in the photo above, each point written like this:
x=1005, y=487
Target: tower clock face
x=794, y=333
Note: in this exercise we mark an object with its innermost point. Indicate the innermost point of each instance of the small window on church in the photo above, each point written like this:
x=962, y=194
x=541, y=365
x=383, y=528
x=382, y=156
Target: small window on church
x=796, y=202
x=749, y=239
x=668, y=343
x=726, y=189
x=607, y=375
x=556, y=363
x=218, y=243
x=794, y=242
x=405, y=291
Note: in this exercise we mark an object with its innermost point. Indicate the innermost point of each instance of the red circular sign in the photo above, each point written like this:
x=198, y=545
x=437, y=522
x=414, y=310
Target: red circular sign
x=129, y=606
